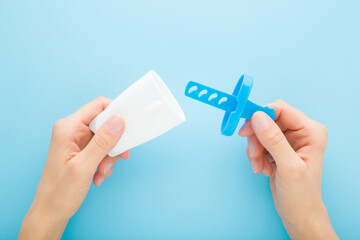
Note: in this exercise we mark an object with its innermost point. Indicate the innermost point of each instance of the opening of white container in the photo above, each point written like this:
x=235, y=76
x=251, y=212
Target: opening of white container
x=174, y=105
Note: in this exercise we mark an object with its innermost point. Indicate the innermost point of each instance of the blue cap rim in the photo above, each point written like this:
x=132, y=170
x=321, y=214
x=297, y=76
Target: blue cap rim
x=241, y=92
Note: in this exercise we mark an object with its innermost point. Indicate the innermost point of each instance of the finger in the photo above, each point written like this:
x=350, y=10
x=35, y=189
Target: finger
x=107, y=163
x=89, y=111
x=297, y=139
x=281, y=108
x=246, y=130
x=288, y=117
x=268, y=170
x=254, y=151
x=99, y=177
x=254, y=146
x=272, y=184
x=125, y=155
x=269, y=164
x=108, y=173
x=273, y=188
x=103, y=141
x=269, y=157
x=274, y=141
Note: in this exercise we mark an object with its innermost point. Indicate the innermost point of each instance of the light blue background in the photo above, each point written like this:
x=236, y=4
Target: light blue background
x=191, y=183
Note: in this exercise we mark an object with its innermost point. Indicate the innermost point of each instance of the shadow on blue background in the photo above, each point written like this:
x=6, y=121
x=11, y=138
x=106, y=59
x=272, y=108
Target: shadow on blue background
x=56, y=56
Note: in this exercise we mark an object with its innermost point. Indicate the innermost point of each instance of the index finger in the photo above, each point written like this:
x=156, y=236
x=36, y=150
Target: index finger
x=288, y=117
x=90, y=110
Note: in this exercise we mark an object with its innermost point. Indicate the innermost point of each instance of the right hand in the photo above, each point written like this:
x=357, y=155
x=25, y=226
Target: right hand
x=290, y=151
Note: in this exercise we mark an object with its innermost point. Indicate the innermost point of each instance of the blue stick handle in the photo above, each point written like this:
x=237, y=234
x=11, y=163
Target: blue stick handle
x=211, y=96
x=251, y=108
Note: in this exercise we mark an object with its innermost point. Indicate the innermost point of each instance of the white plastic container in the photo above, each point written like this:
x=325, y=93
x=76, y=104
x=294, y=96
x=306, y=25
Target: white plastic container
x=149, y=110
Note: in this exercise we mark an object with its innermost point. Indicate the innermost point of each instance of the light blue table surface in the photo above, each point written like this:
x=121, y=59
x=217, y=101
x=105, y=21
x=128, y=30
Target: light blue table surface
x=192, y=182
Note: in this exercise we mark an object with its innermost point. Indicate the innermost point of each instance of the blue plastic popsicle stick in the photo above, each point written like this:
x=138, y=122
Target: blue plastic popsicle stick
x=211, y=96
x=236, y=105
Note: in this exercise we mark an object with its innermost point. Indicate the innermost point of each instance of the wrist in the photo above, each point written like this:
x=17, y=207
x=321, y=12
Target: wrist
x=39, y=224
x=315, y=225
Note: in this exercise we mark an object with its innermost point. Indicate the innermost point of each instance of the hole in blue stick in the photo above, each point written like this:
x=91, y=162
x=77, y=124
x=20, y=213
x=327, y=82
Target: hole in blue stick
x=223, y=99
x=212, y=96
x=192, y=89
x=203, y=92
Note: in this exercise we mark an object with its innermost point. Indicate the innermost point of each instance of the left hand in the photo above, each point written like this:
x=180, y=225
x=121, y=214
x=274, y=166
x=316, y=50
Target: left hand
x=76, y=157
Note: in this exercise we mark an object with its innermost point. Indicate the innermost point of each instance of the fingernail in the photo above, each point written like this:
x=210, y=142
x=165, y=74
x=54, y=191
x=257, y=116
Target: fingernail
x=108, y=167
x=115, y=124
x=251, y=149
x=102, y=178
x=266, y=171
x=254, y=165
x=242, y=127
x=260, y=120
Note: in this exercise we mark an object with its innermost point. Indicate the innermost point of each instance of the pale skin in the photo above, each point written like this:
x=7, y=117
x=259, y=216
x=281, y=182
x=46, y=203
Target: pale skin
x=76, y=158
x=289, y=150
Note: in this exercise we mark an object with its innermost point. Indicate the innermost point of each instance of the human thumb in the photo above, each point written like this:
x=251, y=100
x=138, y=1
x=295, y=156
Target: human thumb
x=103, y=141
x=274, y=141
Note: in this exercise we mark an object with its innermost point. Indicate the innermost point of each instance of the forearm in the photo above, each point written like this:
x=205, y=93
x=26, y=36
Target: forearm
x=38, y=224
